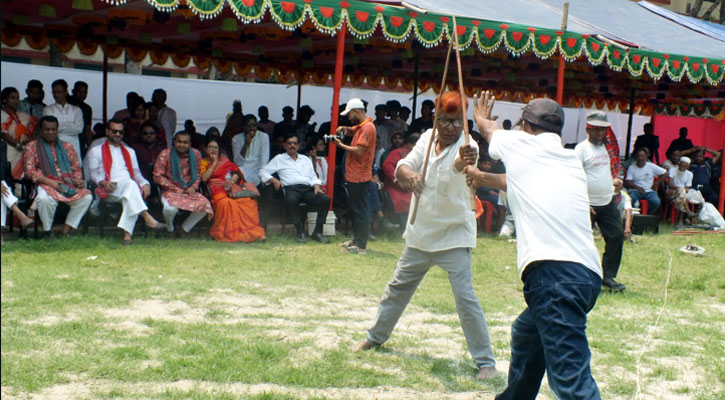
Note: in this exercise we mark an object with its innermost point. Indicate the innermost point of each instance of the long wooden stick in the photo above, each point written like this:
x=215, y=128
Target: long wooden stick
x=416, y=200
x=463, y=101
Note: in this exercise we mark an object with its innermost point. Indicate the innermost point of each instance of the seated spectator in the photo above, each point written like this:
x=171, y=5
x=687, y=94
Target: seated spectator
x=127, y=112
x=397, y=139
x=9, y=201
x=33, y=104
x=673, y=158
x=398, y=195
x=640, y=181
x=251, y=149
x=425, y=121
x=213, y=132
x=486, y=193
x=317, y=155
x=624, y=205
x=702, y=172
x=70, y=117
x=682, y=143
x=297, y=175
x=264, y=123
x=236, y=218
x=53, y=165
x=679, y=182
x=148, y=149
x=134, y=122
x=178, y=172
x=114, y=169
x=17, y=129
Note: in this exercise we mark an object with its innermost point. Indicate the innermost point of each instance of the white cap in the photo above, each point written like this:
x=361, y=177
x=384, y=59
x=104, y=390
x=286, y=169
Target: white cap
x=685, y=159
x=599, y=119
x=353, y=104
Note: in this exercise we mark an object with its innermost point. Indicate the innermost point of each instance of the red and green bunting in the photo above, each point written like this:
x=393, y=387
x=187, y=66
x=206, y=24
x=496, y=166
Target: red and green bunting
x=398, y=23
x=699, y=109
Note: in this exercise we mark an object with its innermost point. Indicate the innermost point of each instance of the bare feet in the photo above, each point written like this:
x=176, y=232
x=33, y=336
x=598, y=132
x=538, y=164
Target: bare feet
x=26, y=222
x=365, y=345
x=487, y=373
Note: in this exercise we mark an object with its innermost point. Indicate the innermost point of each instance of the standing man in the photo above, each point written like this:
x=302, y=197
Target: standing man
x=78, y=99
x=70, y=117
x=178, y=172
x=358, y=171
x=33, y=104
x=53, y=165
x=595, y=159
x=650, y=141
x=114, y=168
x=425, y=121
x=557, y=260
x=443, y=234
x=166, y=115
x=265, y=124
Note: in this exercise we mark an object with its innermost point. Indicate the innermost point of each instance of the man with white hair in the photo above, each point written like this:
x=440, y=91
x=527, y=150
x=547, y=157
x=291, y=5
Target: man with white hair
x=595, y=159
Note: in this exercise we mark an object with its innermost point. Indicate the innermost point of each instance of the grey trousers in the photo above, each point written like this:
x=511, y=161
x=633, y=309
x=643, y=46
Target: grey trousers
x=412, y=267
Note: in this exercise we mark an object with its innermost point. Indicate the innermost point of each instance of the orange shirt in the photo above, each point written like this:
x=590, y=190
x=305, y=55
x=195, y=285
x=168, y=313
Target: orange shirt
x=360, y=168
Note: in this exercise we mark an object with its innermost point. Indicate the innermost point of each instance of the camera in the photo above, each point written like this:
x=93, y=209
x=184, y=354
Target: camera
x=330, y=138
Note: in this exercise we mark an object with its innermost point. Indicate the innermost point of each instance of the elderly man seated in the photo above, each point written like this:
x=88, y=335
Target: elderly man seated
x=53, y=165
x=301, y=184
x=114, y=168
x=178, y=172
x=679, y=180
x=640, y=180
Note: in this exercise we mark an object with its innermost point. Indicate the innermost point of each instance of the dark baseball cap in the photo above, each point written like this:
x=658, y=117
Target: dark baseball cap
x=545, y=113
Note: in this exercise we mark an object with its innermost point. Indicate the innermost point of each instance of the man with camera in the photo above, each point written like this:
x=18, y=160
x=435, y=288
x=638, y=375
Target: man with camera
x=358, y=171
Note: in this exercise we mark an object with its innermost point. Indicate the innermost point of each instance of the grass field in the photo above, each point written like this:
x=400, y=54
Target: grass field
x=86, y=318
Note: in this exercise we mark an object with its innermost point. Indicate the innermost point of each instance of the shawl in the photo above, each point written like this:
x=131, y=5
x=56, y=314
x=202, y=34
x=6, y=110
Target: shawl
x=176, y=168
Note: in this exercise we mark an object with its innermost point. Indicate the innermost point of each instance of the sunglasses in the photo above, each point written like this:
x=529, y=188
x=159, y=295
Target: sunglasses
x=121, y=131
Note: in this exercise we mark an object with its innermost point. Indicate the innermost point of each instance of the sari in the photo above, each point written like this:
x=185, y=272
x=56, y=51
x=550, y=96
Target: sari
x=235, y=219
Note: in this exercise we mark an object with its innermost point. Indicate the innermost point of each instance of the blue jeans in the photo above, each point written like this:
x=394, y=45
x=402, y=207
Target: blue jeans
x=550, y=336
x=653, y=200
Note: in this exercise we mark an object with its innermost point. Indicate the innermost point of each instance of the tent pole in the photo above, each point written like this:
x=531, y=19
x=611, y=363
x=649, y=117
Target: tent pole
x=105, y=88
x=629, y=124
x=721, y=200
x=560, y=73
x=335, y=111
x=415, y=85
x=299, y=98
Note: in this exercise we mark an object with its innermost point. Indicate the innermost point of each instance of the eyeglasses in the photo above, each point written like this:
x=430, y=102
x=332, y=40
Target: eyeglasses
x=121, y=131
x=293, y=143
x=148, y=132
x=445, y=122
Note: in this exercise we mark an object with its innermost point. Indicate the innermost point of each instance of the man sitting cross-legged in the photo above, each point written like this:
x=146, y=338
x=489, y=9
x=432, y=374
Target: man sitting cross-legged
x=178, y=172
x=297, y=175
x=114, y=168
x=53, y=165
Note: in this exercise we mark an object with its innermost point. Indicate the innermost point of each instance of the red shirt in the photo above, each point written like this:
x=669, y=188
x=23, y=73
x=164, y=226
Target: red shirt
x=360, y=168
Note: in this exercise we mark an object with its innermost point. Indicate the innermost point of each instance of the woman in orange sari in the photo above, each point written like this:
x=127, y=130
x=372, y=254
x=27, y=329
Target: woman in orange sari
x=235, y=219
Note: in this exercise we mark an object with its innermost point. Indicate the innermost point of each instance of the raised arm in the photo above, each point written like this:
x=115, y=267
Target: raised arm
x=482, y=107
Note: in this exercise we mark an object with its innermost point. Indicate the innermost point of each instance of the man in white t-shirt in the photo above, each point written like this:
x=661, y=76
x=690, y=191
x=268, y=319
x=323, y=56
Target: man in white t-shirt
x=640, y=181
x=557, y=259
x=595, y=159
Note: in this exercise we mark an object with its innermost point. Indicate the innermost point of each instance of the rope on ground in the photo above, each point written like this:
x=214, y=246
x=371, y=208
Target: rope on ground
x=653, y=328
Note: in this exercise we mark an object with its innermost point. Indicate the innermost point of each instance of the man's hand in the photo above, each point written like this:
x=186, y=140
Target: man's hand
x=467, y=156
x=338, y=142
x=627, y=233
x=639, y=189
x=276, y=183
x=345, y=129
x=474, y=176
x=190, y=190
x=414, y=183
x=110, y=187
x=317, y=189
x=4, y=190
x=145, y=191
x=482, y=107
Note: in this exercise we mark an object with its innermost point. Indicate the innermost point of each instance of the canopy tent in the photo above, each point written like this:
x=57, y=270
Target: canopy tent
x=508, y=48
x=614, y=59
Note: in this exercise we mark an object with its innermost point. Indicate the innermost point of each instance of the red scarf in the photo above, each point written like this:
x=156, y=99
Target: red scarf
x=108, y=160
x=20, y=129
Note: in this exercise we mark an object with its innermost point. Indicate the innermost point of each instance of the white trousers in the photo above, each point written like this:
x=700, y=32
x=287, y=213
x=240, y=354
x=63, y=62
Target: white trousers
x=7, y=202
x=46, y=206
x=171, y=211
x=129, y=195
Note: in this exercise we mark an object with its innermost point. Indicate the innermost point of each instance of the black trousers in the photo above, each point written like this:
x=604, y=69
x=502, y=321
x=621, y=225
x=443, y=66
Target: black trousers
x=360, y=210
x=610, y=224
x=296, y=194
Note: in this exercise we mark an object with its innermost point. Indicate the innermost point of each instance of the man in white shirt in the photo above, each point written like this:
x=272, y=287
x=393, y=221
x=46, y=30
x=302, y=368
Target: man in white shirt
x=557, y=260
x=297, y=176
x=680, y=181
x=595, y=159
x=166, y=115
x=444, y=233
x=640, y=181
x=251, y=149
x=70, y=117
x=114, y=168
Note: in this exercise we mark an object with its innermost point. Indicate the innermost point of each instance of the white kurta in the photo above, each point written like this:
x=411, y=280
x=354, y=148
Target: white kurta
x=70, y=124
x=257, y=155
x=127, y=191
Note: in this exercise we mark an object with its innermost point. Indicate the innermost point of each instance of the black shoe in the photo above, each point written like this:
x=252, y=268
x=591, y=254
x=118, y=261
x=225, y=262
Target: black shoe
x=613, y=285
x=318, y=237
x=301, y=237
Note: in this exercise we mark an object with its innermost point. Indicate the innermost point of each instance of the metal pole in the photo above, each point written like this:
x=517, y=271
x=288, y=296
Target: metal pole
x=415, y=85
x=299, y=99
x=105, y=88
x=560, y=74
x=335, y=111
x=629, y=124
